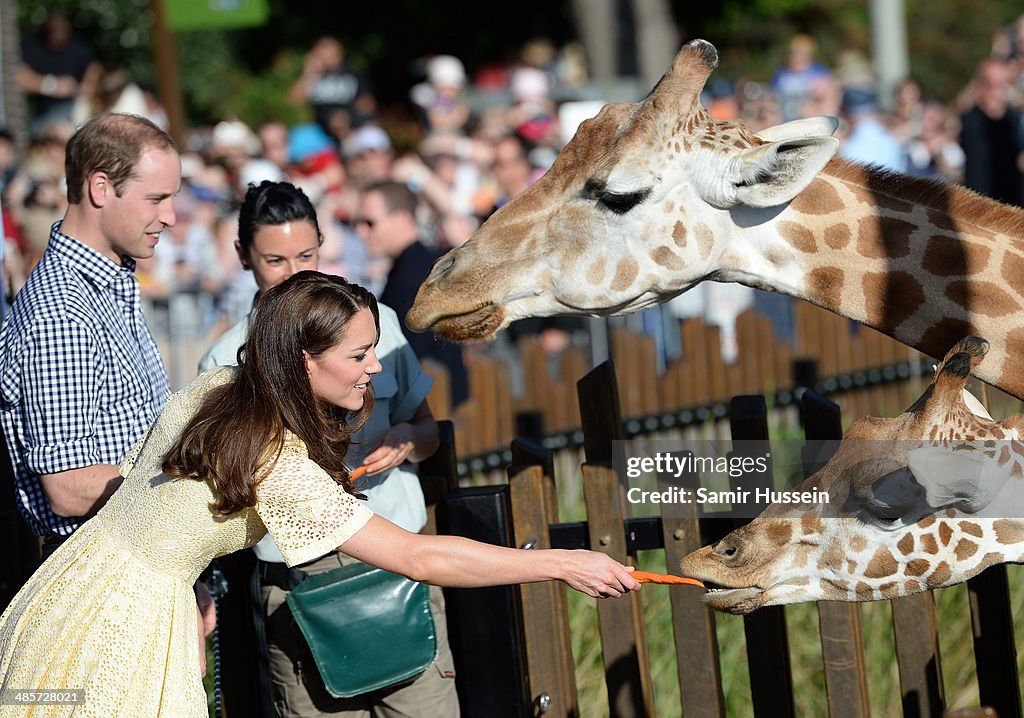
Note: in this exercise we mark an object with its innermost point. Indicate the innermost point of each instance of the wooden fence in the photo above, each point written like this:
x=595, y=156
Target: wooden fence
x=542, y=621
x=874, y=373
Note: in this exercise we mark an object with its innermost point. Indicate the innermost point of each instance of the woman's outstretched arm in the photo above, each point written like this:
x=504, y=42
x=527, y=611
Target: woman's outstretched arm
x=459, y=562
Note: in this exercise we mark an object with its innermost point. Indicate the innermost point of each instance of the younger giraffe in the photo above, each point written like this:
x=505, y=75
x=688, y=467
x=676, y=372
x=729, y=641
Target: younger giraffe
x=925, y=500
x=651, y=198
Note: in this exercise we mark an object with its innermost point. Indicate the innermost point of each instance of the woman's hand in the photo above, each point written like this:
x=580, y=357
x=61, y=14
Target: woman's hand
x=598, y=575
x=395, y=448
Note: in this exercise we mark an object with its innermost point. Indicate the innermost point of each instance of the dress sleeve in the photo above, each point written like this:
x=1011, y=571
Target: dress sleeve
x=307, y=513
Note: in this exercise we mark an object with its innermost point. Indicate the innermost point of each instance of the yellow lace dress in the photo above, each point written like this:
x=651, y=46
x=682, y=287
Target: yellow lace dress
x=113, y=610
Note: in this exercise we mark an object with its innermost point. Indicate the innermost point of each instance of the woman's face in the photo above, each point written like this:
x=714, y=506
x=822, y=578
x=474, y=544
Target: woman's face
x=280, y=250
x=341, y=375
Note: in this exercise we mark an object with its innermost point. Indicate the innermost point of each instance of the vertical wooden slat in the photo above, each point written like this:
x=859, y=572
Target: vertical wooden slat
x=647, y=374
x=438, y=473
x=700, y=674
x=505, y=419
x=482, y=377
x=842, y=647
x=765, y=347
x=622, y=639
x=600, y=412
x=917, y=654
x=771, y=681
x=748, y=360
x=536, y=378
x=695, y=340
x=630, y=693
x=574, y=365
x=994, y=648
x=546, y=631
x=714, y=367
x=440, y=393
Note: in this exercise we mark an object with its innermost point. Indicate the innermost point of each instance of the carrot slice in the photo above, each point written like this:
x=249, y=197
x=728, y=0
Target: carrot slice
x=647, y=577
x=357, y=472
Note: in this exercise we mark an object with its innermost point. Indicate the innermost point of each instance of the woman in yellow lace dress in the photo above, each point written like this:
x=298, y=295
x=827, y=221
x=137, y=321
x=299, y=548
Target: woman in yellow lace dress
x=240, y=452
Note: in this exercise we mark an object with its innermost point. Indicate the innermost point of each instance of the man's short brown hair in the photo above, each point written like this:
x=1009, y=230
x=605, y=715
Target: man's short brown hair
x=112, y=143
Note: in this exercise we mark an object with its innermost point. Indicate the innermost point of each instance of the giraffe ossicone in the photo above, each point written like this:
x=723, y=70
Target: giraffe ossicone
x=921, y=501
x=650, y=198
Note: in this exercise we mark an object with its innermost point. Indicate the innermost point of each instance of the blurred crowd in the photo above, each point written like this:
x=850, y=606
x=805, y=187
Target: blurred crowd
x=468, y=156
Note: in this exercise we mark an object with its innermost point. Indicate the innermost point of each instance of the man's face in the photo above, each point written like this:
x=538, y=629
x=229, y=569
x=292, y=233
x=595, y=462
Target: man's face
x=377, y=225
x=132, y=222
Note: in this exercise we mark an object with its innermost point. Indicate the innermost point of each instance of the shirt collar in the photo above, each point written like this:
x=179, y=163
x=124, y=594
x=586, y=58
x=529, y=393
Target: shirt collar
x=97, y=268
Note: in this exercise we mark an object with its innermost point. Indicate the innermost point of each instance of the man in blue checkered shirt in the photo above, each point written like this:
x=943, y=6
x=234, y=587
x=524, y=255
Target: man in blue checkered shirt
x=81, y=378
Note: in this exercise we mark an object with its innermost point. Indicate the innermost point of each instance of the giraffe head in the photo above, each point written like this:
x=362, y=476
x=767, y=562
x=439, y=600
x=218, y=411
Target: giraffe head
x=924, y=500
x=628, y=214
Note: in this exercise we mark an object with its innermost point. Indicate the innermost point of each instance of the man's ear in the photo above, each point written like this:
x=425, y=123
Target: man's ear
x=99, y=189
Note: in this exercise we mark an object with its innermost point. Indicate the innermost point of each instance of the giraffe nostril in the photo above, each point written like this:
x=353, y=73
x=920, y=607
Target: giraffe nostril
x=441, y=266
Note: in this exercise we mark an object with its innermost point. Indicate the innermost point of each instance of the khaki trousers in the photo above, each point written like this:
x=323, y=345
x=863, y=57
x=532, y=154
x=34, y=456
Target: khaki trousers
x=299, y=692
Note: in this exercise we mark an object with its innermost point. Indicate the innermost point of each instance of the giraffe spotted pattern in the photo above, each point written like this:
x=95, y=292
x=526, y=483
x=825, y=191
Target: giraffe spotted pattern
x=924, y=500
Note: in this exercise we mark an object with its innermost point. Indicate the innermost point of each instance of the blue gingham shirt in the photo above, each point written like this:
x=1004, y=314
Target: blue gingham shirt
x=80, y=375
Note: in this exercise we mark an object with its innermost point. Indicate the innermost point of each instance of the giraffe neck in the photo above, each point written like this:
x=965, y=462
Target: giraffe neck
x=924, y=262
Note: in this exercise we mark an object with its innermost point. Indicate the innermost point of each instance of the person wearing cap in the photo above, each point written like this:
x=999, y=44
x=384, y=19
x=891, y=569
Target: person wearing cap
x=441, y=96
x=316, y=165
x=370, y=156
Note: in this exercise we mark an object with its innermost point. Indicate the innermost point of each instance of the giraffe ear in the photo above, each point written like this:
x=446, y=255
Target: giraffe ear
x=775, y=173
x=800, y=129
x=966, y=480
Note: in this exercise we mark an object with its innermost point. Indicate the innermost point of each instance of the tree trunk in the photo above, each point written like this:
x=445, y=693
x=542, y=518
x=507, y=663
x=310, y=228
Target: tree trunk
x=657, y=39
x=595, y=20
x=12, y=99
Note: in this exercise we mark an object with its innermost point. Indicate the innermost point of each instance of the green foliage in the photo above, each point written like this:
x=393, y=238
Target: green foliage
x=246, y=73
x=219, y=88
x=945, y=40
x=118, y=31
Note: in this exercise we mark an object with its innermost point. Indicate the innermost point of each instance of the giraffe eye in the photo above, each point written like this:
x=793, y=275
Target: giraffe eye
x=622, y=203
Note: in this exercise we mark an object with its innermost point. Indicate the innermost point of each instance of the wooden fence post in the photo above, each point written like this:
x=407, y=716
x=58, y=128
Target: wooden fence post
x=693, y=623
x=485, y=625
x=917, y=654
x=551, y=671
x=995, y=651
x=624, y=648
x=771, y=680
x=439, y=474
x=842, y=648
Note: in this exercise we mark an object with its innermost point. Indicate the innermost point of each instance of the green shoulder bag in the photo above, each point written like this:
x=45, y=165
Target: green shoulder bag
x=367, y=628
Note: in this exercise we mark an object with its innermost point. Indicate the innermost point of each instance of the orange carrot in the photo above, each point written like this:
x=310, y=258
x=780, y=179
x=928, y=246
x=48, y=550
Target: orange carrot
x=357, y=472
x=647, y=577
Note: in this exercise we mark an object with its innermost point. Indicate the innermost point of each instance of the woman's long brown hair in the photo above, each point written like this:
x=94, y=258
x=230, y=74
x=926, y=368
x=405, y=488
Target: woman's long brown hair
x=237, y=434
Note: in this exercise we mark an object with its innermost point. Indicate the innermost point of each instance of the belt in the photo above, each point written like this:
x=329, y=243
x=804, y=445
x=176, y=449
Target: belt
x=278, y=574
